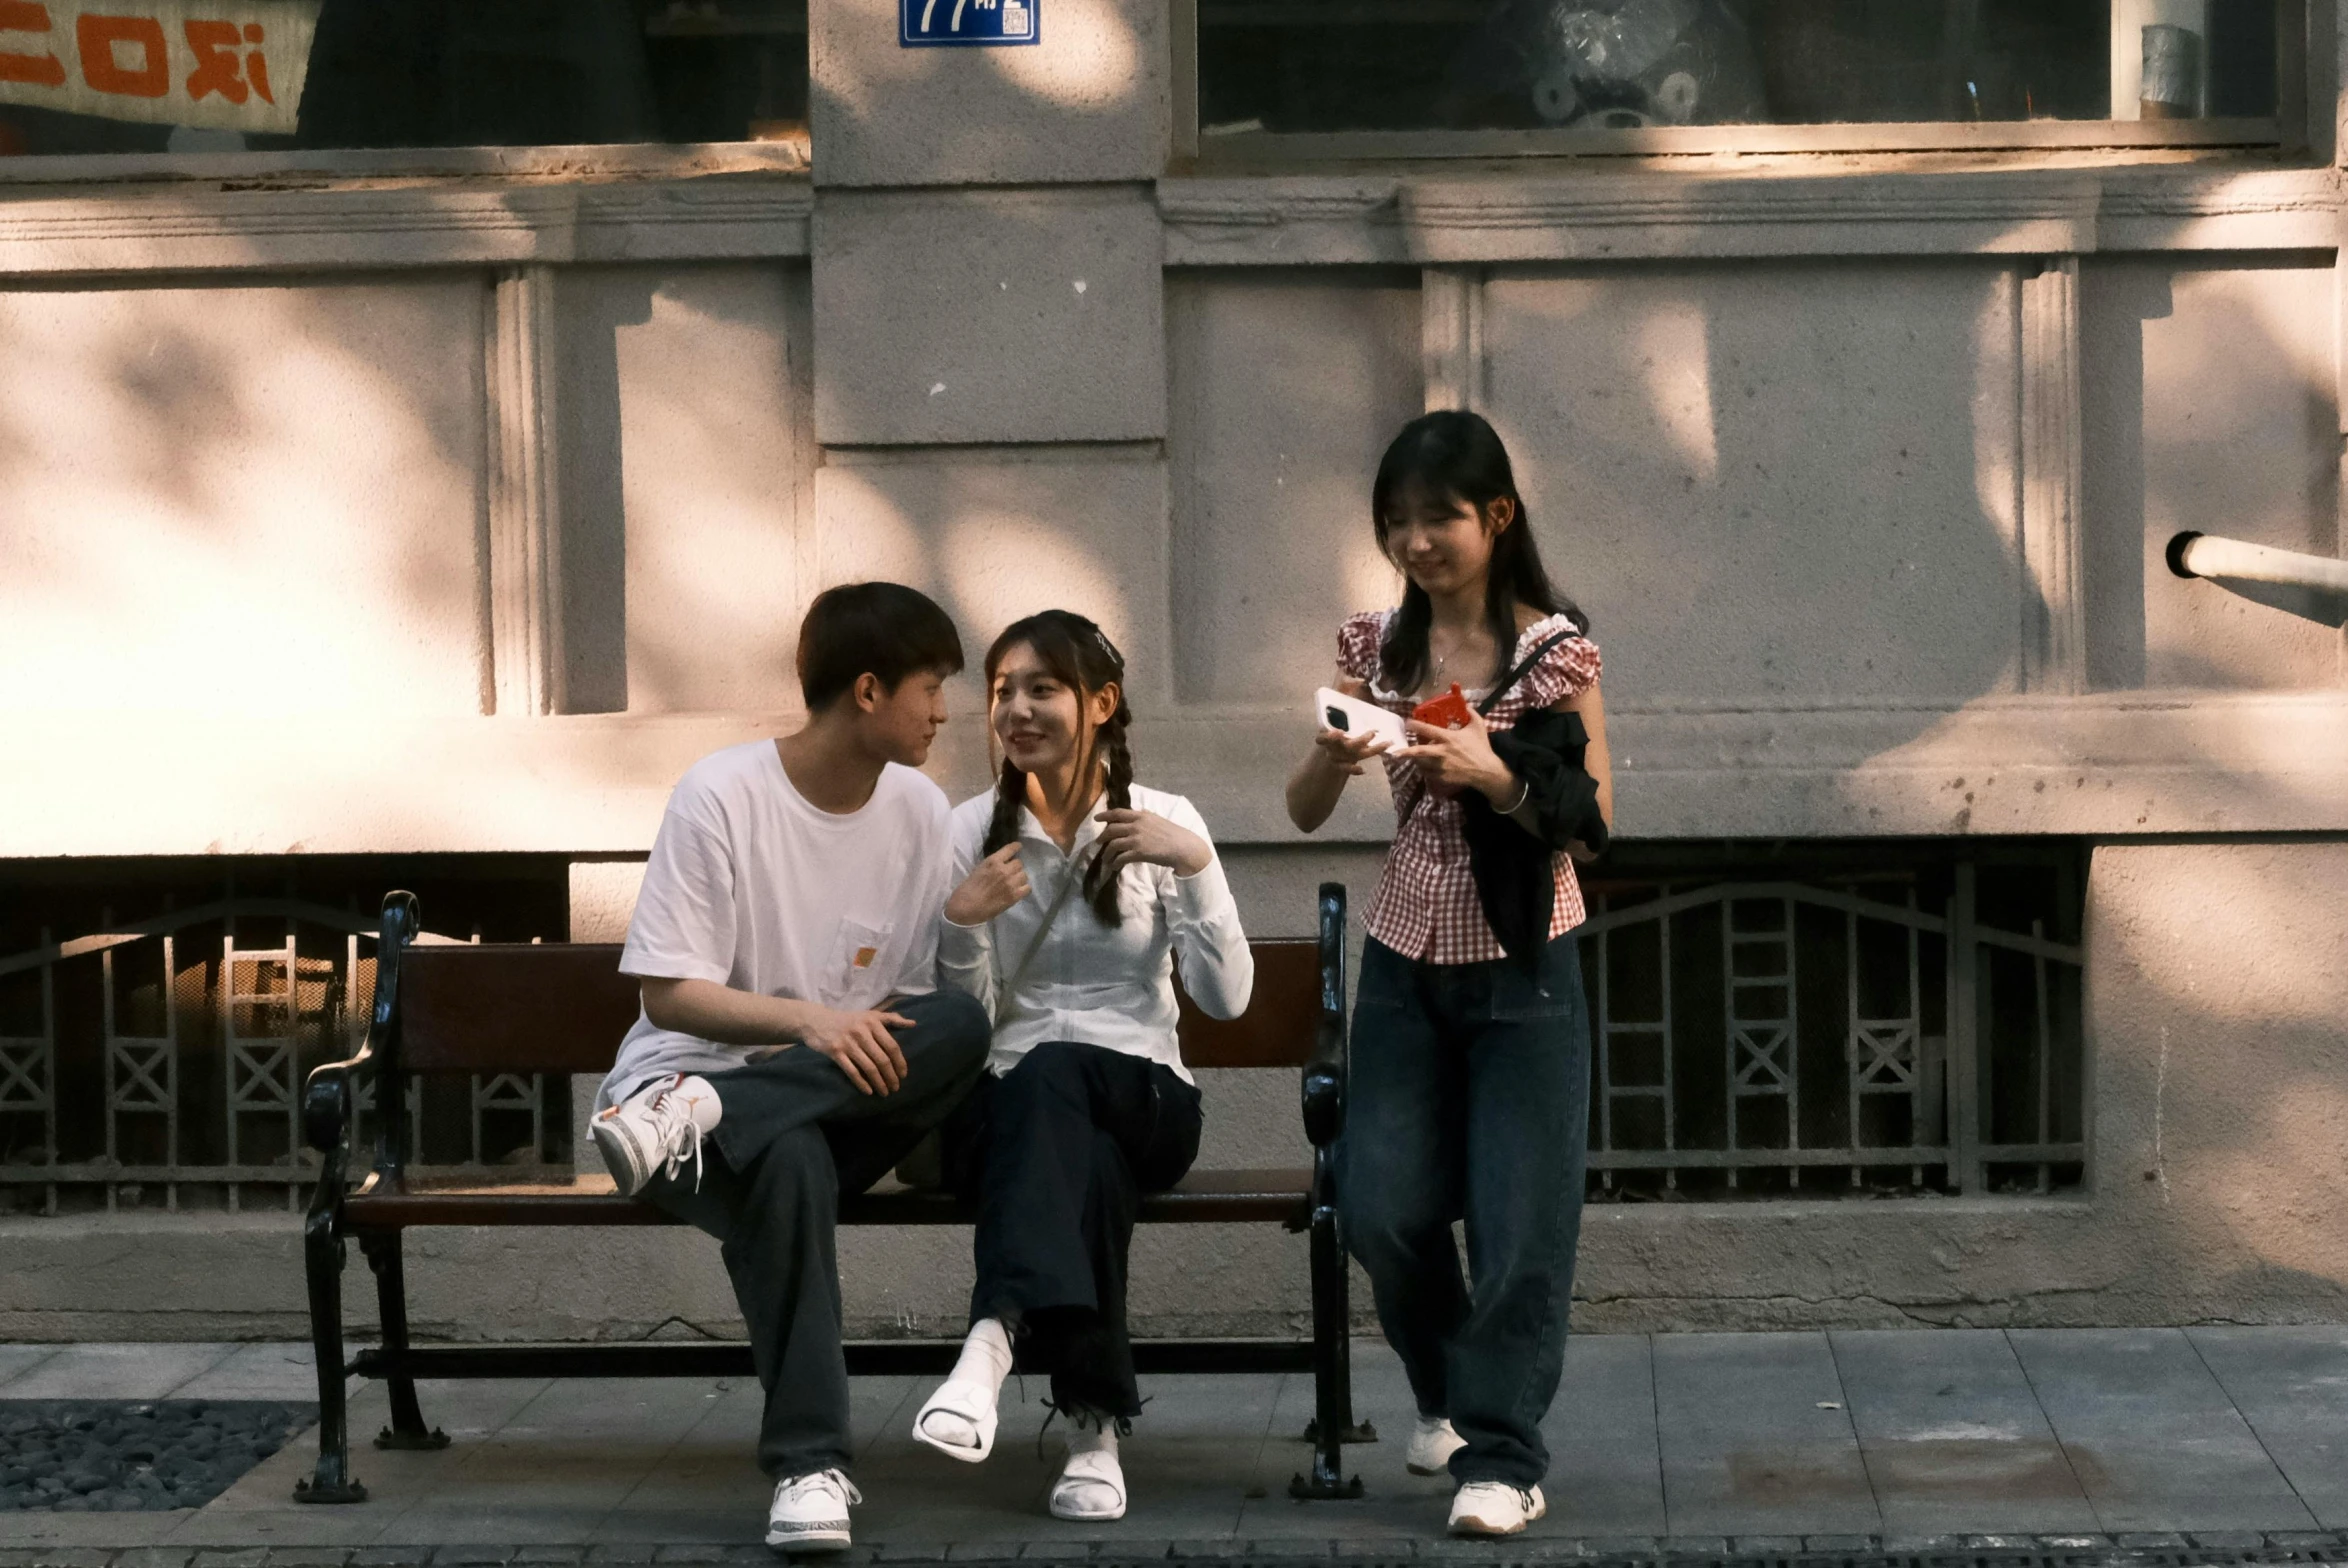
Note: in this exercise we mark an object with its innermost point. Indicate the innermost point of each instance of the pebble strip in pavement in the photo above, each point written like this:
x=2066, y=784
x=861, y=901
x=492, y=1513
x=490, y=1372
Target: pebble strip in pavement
x=121, y=1456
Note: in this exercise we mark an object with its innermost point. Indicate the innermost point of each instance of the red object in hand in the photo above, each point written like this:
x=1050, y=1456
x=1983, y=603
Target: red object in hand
x=1447, y=712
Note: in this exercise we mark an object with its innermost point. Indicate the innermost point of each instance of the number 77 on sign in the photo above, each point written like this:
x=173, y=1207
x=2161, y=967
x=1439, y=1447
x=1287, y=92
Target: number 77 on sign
x=931, y=24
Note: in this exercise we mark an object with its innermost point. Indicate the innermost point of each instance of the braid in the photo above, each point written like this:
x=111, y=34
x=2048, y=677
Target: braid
x=1010, y=796
x=1080, y=656
x=1110, y=739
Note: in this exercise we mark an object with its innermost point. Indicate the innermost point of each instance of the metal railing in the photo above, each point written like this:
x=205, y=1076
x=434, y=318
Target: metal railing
x=1799, y=1035
x=1796, y=1035
x=164, y=1058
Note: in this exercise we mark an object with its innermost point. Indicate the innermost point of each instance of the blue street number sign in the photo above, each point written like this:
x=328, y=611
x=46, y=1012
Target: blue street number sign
x=923, y=24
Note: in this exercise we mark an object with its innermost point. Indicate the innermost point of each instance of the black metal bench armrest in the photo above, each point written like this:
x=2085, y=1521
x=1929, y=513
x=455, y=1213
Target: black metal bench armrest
x=1324, y=1072
x=329, y=1095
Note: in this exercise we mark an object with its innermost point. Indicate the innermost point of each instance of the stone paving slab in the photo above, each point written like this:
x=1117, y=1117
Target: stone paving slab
x=1953, y=1437
x=288, y=1372
x=114, y=1371
x=17, y=1360
x=2291, y=1385
x=1785, y=1447
x=2153, y=1437
x=1756, y=1437
x=1606, y=1469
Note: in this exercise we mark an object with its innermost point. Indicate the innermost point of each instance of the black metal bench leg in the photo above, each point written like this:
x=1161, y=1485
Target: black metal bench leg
x=322, y=1261
x=407, y=1429
x=1332, y=1354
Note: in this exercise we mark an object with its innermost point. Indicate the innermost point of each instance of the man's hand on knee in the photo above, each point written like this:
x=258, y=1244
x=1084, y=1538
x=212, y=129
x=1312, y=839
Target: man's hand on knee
x=861, y=1044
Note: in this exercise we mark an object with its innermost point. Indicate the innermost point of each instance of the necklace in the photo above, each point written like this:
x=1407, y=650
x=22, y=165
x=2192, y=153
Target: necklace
x=1440, y=658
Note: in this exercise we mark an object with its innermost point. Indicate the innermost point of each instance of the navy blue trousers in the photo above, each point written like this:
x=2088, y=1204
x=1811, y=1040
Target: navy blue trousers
x=1057, y=1153
x=1469, y=1098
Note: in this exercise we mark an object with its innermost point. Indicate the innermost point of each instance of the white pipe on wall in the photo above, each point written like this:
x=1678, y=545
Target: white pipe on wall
x=2206, y=555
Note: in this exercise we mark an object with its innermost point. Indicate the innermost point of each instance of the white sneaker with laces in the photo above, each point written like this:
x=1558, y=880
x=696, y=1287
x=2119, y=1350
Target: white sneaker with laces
x=810, y=1513
x=657, y=1129
x=1495, y=1508
x=1432, y=1443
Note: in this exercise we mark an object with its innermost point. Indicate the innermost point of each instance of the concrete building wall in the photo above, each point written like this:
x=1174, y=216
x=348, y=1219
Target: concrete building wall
x=214, y=493
x=504, y=500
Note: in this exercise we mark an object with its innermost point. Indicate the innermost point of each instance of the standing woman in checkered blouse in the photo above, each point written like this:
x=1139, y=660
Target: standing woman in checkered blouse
x=1468, y=1094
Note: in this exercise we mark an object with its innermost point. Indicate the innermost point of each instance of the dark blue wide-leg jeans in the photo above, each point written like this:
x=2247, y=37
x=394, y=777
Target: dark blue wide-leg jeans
x=1469, y=1097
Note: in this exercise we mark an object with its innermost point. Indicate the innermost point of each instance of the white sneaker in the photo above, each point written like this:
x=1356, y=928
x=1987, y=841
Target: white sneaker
x=1432, y=1443
x=656, y=1129
x=810, y=1513
x=1495, y=1508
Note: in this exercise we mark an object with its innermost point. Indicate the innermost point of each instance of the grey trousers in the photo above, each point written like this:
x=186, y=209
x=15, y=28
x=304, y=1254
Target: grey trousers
x=795, y=1135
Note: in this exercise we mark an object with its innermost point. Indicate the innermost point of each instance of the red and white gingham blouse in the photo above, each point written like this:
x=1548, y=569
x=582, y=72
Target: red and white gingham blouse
x=1426, y=907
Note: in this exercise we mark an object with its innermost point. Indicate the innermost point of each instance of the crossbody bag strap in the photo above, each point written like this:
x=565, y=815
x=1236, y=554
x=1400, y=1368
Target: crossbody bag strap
x=1524, y=668
x=1035, y=944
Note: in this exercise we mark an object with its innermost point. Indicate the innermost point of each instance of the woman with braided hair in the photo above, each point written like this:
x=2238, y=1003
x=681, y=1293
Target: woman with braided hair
x=1079, y=891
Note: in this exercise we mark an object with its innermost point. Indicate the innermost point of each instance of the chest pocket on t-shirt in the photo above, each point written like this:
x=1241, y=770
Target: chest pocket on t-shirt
x=856, y=973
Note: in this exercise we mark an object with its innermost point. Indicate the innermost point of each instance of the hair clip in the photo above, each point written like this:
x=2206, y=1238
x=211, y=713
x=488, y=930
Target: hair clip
x=1108, y=647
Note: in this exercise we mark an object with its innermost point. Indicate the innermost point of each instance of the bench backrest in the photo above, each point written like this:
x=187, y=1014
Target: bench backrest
x=563, y=1007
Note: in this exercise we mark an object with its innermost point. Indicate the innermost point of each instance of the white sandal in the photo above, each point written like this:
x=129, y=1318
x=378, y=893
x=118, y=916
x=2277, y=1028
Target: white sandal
x=1075, y=1496
x=971, y=1402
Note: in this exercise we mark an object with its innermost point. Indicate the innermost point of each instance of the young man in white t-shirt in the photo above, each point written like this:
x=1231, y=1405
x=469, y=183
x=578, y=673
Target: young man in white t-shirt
x=792, y=1045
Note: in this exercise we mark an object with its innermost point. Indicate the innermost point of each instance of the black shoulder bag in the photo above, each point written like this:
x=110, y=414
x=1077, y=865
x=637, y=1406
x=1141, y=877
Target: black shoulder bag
x=1510, y=856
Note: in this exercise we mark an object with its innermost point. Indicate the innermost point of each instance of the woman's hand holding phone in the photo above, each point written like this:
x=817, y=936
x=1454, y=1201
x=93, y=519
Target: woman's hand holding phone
x=1348, y=754
x=994, y=885
x=1452, y=760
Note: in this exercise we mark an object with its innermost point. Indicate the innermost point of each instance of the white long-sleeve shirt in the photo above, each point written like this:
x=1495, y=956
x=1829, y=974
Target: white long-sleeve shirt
x=1091, y=983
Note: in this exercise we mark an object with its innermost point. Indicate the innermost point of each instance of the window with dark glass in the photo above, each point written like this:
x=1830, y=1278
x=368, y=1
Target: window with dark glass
x=1321, y=66
x=232, y=75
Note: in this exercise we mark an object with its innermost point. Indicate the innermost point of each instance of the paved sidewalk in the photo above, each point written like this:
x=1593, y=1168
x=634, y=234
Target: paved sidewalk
x=2072, y=1441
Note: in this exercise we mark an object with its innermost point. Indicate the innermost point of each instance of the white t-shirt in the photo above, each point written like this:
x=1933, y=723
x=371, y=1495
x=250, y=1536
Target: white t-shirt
x=753, y=887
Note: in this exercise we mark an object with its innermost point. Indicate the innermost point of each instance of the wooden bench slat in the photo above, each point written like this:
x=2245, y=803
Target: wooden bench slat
x=1282, y=1020
x=516, y=1007
x=1204, y=1197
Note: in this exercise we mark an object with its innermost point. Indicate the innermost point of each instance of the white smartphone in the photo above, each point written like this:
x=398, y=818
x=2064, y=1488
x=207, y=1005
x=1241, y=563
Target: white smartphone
x=1352, y=716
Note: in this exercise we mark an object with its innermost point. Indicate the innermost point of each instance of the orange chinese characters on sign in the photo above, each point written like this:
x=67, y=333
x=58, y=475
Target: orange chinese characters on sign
x=233, y=65
x=107, y=41
x=221, y=69
x=38, y=70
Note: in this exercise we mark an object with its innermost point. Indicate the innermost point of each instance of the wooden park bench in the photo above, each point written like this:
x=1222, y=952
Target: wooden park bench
x=562, y=1008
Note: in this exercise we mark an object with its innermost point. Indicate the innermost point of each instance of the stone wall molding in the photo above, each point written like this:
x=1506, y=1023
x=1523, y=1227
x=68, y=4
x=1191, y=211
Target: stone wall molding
x=2103, y=766
x=524, y=508
x=282, y=225
x=1547, y=215
x=2054, y=618
x=289, y=221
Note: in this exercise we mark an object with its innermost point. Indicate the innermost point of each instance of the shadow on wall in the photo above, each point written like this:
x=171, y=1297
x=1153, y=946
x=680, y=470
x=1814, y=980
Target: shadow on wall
x=1796, y=486
x=2222, y=1113
x=250, y=492
x=687, y=472
x=997, y=537
x=2210, y=406
x=1779, y=485
x=1285, y=389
